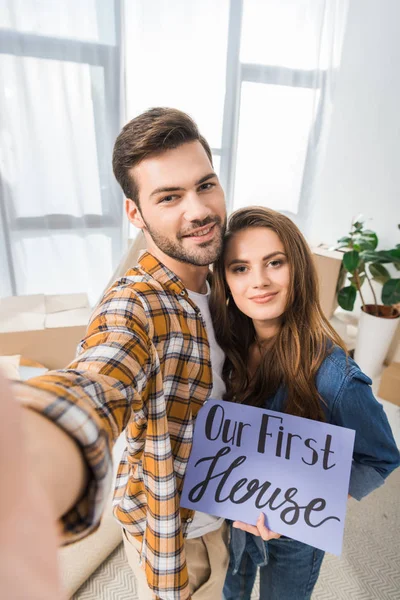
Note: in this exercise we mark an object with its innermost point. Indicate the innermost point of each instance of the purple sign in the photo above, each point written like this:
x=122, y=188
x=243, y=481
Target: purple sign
x=296, y=471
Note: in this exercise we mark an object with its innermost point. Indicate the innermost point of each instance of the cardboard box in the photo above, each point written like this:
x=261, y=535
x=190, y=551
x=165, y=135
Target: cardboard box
x=46, y=329
x=327, y=263
x=393, y=354
x=389, y=388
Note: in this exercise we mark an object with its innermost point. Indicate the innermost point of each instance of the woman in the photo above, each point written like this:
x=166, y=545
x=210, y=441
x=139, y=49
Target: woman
x=282, y=354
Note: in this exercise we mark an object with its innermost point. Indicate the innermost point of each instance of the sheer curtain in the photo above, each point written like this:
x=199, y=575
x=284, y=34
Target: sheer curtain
x=257, y=76
x=175, y=55
x=289, y=55
x=61, y=211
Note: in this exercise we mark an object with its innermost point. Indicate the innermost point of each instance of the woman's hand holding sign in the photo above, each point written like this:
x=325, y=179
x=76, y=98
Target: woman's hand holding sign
x=260, y=529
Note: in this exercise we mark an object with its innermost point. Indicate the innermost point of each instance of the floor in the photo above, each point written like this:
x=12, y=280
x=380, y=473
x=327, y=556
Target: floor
x=369, y=568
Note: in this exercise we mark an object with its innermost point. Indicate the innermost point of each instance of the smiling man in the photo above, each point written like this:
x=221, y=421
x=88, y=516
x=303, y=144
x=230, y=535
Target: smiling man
x=147, y=364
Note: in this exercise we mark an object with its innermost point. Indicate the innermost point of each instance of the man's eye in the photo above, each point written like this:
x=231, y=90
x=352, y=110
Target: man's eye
x=206, y=186
x=167, y=199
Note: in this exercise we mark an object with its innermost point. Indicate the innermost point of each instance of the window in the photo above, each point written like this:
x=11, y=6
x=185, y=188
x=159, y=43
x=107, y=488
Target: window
x=275, y=69
x=175, y=55
x=252, y=73
x=59, y=101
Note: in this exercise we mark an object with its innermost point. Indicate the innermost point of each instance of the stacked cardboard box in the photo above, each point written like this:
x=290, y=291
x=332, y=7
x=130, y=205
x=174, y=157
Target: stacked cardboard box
x=45, y=329
x=389, y=388
x=327, y=263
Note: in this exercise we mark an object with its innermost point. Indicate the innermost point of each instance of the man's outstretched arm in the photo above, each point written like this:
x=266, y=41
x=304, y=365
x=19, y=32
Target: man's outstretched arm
x=56, y=461
x=73, y=416
x=28, y=538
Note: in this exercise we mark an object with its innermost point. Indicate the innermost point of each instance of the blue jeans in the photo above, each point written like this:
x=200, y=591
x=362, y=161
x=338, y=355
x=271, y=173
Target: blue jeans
x=291, y=572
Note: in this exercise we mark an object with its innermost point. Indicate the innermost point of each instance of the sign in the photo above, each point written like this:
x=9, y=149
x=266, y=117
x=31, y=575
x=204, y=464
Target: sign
x=296, y=471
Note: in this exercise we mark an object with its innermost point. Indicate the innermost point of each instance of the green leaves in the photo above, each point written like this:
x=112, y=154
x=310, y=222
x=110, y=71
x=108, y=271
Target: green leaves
x=351, y=260
x=358, y=226
x=359, y=240
x=379, y=256
x=395, y=253
x=370, y=240
x=344, y=242
x=379, y=272
x=367, y=240
x=347, y=297
x=357, y=281
x=362, y=250
x=391, y=292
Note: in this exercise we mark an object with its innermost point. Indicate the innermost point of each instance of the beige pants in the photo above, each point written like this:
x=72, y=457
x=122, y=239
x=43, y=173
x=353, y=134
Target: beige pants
x=207, y=559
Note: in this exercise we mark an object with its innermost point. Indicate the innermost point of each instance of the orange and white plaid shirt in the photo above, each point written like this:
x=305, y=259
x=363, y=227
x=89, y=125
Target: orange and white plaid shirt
x=143, y=367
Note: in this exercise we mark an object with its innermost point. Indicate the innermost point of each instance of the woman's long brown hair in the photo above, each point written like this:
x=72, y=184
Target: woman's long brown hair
x=303, y=341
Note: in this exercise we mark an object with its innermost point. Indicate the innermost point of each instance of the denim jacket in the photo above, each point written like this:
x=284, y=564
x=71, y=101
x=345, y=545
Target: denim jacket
x=349, y=403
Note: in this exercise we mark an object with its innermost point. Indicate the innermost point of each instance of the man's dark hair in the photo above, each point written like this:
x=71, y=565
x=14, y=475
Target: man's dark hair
x=149, y=134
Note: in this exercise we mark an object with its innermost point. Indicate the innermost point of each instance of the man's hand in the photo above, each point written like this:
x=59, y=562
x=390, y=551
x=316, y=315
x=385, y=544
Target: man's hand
x=28, y=539
x=260, y=529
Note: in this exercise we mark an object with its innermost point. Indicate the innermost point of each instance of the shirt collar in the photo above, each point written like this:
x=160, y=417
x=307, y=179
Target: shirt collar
x=152, y=266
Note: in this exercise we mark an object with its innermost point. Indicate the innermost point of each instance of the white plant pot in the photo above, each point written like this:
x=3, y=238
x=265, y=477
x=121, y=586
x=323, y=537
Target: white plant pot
x=373, y=340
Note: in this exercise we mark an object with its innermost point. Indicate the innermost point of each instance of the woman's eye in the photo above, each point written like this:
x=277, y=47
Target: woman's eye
x=239, y=269
x=276, y=263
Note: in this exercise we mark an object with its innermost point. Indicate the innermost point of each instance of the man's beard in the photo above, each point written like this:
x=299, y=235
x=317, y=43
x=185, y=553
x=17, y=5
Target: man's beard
x=203, y=255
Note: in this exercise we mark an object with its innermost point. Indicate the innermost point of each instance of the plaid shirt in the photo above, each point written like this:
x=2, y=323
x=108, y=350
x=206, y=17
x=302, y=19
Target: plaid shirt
x=144, y=366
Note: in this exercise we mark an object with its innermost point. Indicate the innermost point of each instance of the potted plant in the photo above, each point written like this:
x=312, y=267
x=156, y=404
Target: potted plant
x=378, y=321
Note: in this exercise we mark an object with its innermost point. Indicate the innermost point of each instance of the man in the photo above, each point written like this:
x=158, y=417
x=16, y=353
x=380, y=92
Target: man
x=144, y=365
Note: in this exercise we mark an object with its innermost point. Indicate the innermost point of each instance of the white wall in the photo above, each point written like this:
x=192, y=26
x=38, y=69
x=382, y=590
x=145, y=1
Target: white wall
x=361, y=169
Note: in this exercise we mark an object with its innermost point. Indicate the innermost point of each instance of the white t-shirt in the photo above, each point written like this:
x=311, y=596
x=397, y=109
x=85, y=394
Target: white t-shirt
x=203, y=523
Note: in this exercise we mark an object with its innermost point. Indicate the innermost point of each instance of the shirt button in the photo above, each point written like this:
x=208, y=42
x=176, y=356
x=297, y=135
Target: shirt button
x=189, y=520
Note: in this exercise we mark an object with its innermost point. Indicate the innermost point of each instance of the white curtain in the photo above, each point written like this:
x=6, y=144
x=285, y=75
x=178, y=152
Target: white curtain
x=175, y=55
x=257, y=76
x=61, y=211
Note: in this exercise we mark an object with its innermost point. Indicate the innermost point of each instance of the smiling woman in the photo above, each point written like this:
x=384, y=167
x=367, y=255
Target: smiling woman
x=267, y=274
x=257, y=274
x=283, y=355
